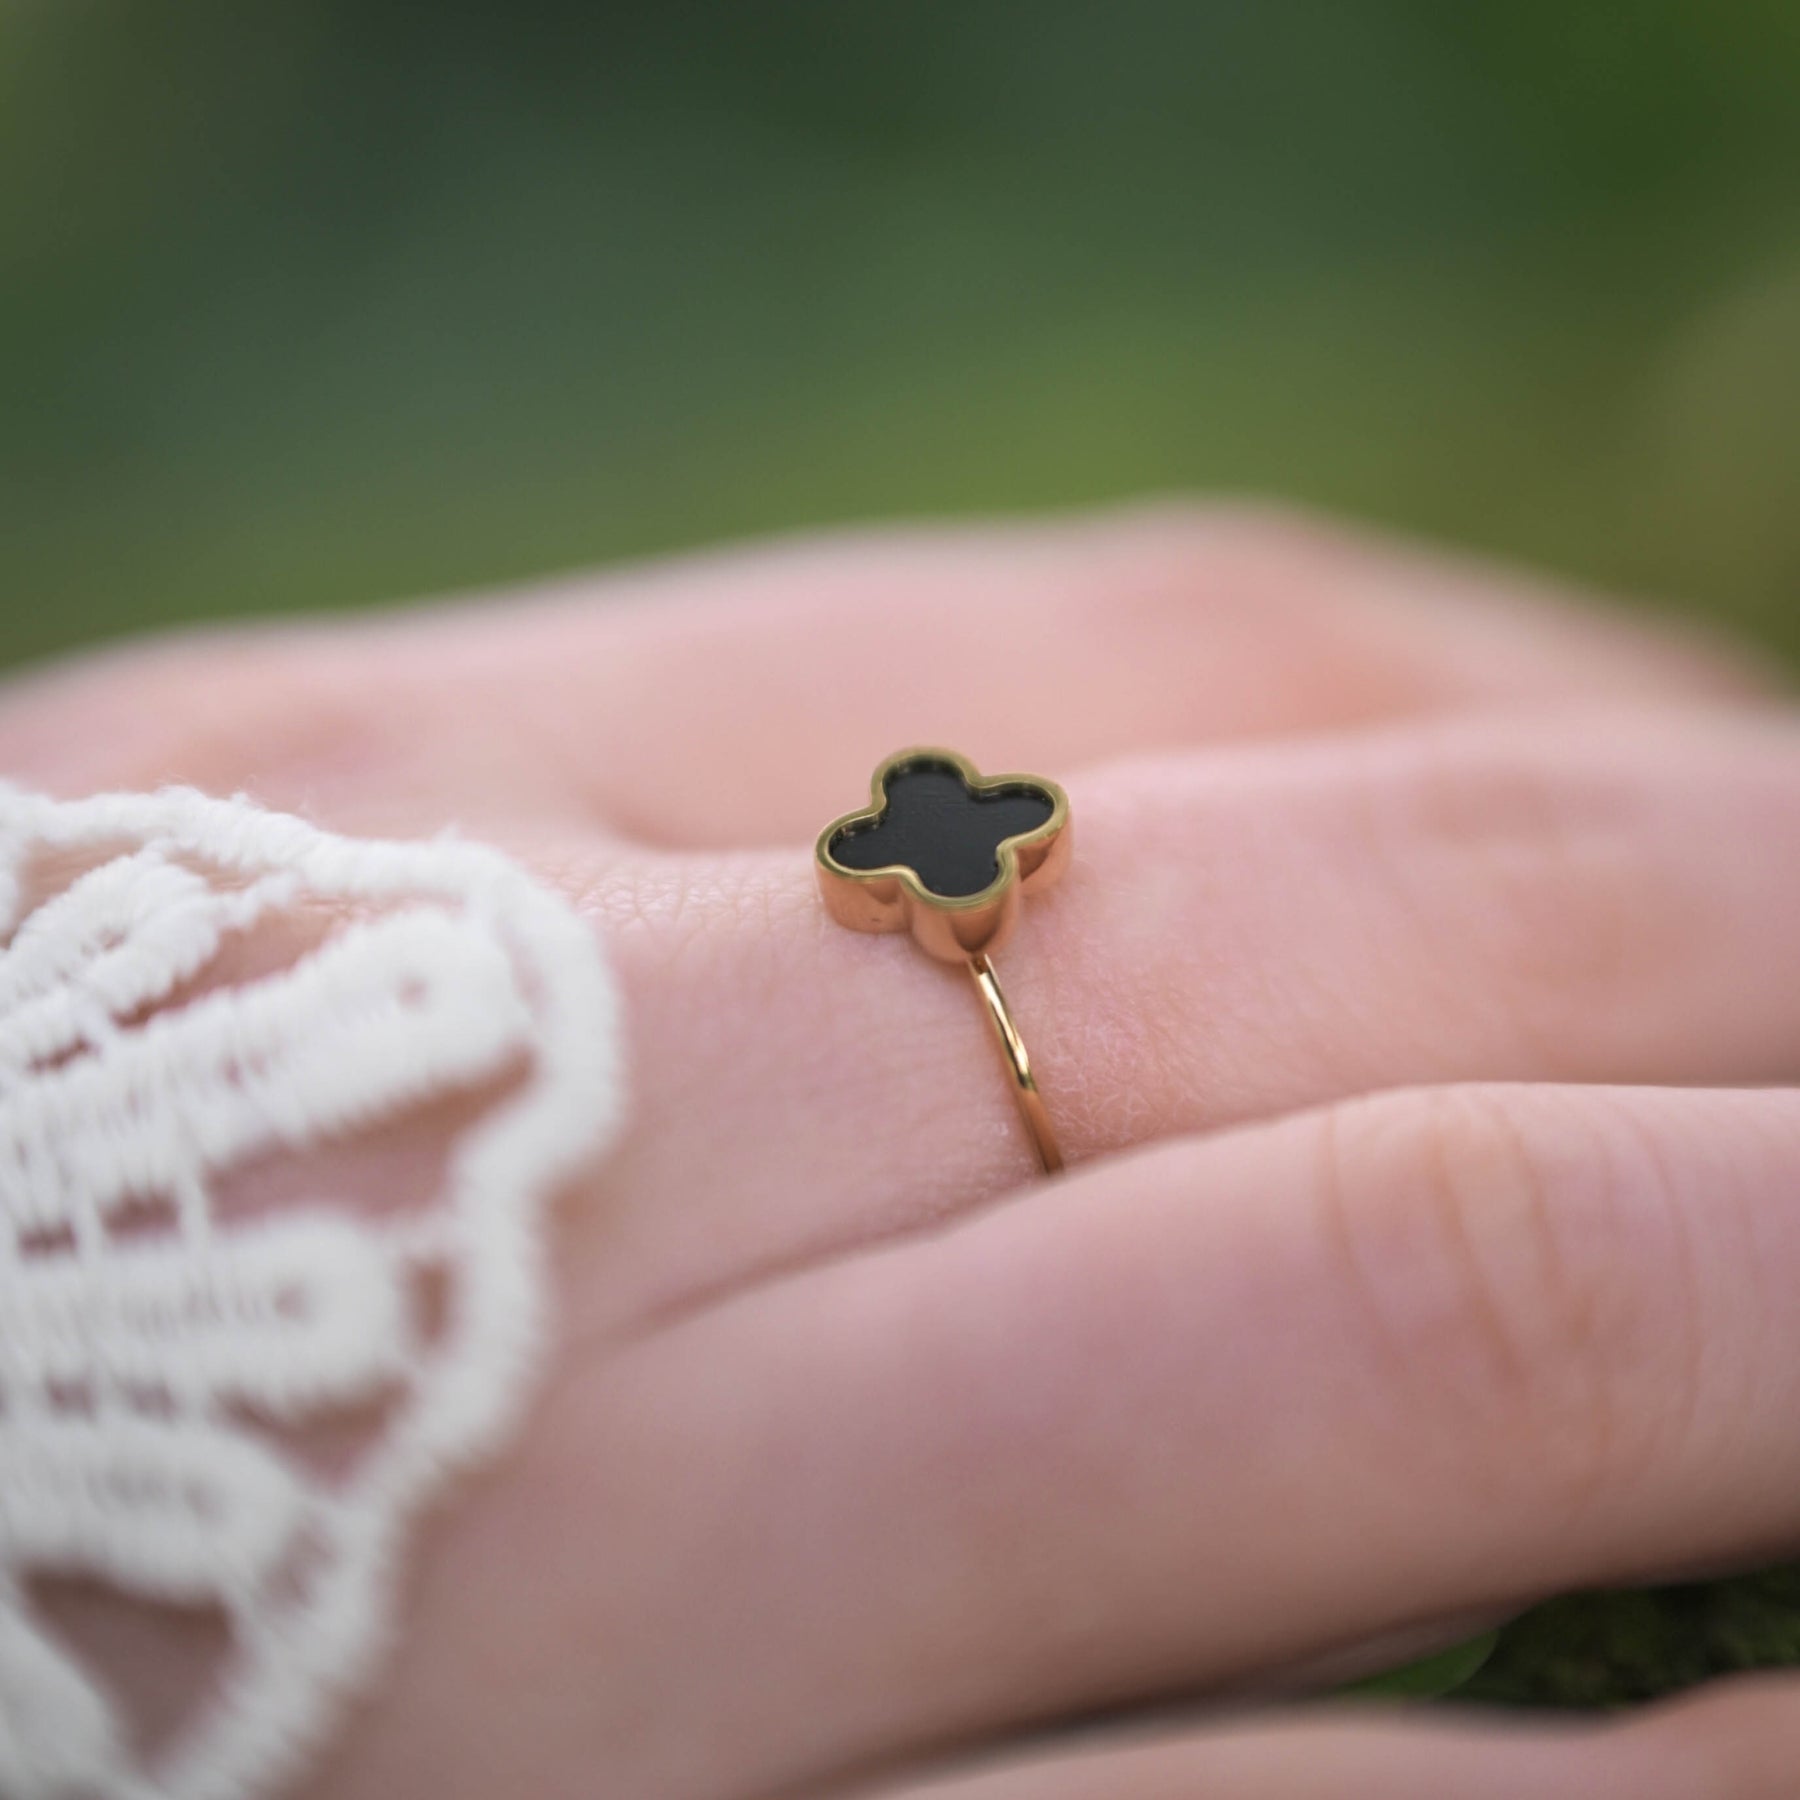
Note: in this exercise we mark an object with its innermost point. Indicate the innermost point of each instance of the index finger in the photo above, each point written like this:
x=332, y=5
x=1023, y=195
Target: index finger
x=726, y=700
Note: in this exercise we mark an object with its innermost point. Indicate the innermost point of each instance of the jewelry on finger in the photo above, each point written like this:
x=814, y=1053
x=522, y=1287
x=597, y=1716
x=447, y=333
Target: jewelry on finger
x=948, y=855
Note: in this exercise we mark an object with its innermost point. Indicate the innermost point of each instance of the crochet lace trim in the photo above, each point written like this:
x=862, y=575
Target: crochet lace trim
x=169, y=1349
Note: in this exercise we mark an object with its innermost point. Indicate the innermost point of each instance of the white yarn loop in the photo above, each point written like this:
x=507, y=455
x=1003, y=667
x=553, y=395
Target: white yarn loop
x=160, y=1348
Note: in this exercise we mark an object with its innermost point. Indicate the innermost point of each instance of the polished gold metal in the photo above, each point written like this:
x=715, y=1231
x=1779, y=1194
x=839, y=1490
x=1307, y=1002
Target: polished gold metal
x=960, y=929
x=894, y=899
x=1025, y=1089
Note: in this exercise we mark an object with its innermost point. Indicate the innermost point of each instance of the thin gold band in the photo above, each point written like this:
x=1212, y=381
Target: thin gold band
x=1025, y=1090
x=917, y=865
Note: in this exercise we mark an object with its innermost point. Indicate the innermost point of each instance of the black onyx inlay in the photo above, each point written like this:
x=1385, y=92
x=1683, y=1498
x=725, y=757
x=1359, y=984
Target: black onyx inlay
x=946, y=833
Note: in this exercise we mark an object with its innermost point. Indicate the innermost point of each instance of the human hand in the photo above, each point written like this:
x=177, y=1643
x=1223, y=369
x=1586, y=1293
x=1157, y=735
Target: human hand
x=1411, y=1016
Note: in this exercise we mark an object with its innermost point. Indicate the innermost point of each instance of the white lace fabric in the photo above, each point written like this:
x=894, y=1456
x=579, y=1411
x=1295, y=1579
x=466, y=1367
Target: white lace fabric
x=163, y=1353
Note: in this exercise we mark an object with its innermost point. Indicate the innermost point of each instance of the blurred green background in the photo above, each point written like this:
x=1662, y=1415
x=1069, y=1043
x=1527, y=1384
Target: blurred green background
x=318, y=304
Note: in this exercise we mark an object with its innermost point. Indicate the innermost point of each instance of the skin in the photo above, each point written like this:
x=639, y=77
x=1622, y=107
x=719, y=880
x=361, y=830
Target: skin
x=1415, y=1020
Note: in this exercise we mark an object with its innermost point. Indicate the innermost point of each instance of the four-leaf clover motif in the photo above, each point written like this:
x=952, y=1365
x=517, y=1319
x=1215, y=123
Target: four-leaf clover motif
x=943, y=852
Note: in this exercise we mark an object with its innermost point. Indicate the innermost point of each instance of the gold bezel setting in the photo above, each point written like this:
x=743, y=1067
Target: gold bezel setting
x=952, y=928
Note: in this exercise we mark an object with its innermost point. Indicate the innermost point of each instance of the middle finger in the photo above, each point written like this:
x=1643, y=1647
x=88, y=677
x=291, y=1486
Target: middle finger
x=1243, y=933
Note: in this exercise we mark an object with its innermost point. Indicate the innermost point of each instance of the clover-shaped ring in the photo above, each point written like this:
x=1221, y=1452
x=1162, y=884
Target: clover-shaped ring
x=947, y=855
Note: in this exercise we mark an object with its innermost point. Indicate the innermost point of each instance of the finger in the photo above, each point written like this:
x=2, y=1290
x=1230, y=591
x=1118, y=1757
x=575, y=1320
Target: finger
x=727, y=700
x=1734, y=1742
x=1241, y=934
x=1185, y=1416
x=1206, y=1409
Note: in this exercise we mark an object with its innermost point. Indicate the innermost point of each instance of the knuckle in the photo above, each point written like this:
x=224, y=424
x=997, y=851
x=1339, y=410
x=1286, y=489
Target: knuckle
x=1255, y=529
x=1525, y=1275
x=266, y=711
x=1527, y=871
x=1241, y=554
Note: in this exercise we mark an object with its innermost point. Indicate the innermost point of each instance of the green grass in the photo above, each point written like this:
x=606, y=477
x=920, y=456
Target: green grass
x=316, y=305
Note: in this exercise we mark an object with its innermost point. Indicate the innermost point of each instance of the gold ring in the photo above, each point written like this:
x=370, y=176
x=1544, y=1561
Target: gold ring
x=947, y=855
